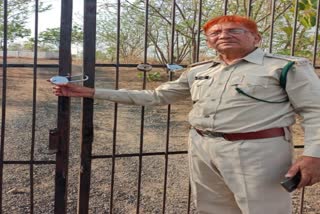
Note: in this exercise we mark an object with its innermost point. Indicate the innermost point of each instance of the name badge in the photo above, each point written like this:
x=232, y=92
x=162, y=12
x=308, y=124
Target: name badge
x=201, y=77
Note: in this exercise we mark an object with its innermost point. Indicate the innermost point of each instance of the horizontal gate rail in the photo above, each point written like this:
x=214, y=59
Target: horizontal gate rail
x=106, y=65
x=139, y=154
x=30, y=65
x=29, y=162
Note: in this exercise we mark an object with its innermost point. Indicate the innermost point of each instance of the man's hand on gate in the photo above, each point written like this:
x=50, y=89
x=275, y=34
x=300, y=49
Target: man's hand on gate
x=309, y=168
x=73, y=90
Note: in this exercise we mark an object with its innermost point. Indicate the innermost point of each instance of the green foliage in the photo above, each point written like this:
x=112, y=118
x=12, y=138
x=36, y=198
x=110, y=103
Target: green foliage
x=77, y=35
x=131, y=45
x=154, y=76
x=18, y=12
x=100, y=55
x=50, y=38
x=159, y=44
x=132, y=42
x=28, y=45
x=131, y=36
x=304, y=32
x=308, y=15
x=14, y=47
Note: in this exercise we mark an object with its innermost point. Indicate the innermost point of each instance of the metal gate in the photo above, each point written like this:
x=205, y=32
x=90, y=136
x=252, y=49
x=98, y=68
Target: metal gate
x=150, y=194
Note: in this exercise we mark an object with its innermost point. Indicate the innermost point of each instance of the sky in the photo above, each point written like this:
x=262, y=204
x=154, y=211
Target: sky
x=51, y=18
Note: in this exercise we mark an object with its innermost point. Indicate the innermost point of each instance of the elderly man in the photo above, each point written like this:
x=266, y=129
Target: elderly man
x=239, y=143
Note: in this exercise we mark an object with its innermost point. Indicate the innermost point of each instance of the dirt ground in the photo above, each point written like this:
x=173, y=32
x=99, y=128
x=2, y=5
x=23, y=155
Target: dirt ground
x=19, y=112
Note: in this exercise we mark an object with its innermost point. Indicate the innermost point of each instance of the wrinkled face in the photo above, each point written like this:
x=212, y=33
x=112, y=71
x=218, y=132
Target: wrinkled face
x=230, y=38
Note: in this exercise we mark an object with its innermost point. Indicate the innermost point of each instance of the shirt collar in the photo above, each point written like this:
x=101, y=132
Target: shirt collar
x=255, y=57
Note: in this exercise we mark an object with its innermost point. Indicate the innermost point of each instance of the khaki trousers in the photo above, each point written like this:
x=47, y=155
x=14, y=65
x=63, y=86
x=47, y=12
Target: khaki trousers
x=240, y=176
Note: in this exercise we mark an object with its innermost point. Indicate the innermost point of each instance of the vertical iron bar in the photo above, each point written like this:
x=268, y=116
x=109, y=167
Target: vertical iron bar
x=143, y=108
x=34, y=106
x=4, y=94
x=272, y=25
x=89, y=49
x=171, y=59
x=249, y=8
x=198, y=50
x=301, y=201
x=61, y=181
x=296, y=8
x=115, y=119
x=225, y=7
x=199, y=29
x=315, y=47
x=146, y=29
x=293, y=40
x=189, y=199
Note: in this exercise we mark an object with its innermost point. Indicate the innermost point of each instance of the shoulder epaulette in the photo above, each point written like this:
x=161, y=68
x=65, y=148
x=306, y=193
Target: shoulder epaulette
x=201, y=63
x=297, y=60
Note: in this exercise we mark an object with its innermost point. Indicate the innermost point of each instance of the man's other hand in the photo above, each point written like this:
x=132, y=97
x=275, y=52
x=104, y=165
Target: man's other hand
x=310, y=170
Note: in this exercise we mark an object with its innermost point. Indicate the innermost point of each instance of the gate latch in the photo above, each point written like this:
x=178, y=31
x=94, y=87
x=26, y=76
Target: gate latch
x=53, y=140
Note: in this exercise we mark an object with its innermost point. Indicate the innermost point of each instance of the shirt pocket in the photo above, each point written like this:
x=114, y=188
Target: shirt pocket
x=200, y=88
x=253, y=85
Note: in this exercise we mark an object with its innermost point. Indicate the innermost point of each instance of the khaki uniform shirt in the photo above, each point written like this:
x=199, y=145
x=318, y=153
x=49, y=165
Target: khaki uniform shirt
x=219, y=107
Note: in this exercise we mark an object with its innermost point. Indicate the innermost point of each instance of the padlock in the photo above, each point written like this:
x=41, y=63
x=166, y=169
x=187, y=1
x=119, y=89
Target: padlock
x=53, y=140
x=66, y=79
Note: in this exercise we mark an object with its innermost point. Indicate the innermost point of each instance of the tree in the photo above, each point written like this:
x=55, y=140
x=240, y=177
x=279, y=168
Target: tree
x=186, y=26
x=17, y=16
x=50, y=38
x=132, y=39
x=29, y=45
x=131, y=44
x=304, y=32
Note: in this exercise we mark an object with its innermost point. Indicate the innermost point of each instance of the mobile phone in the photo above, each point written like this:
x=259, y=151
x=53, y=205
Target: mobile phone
x=291, y=183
